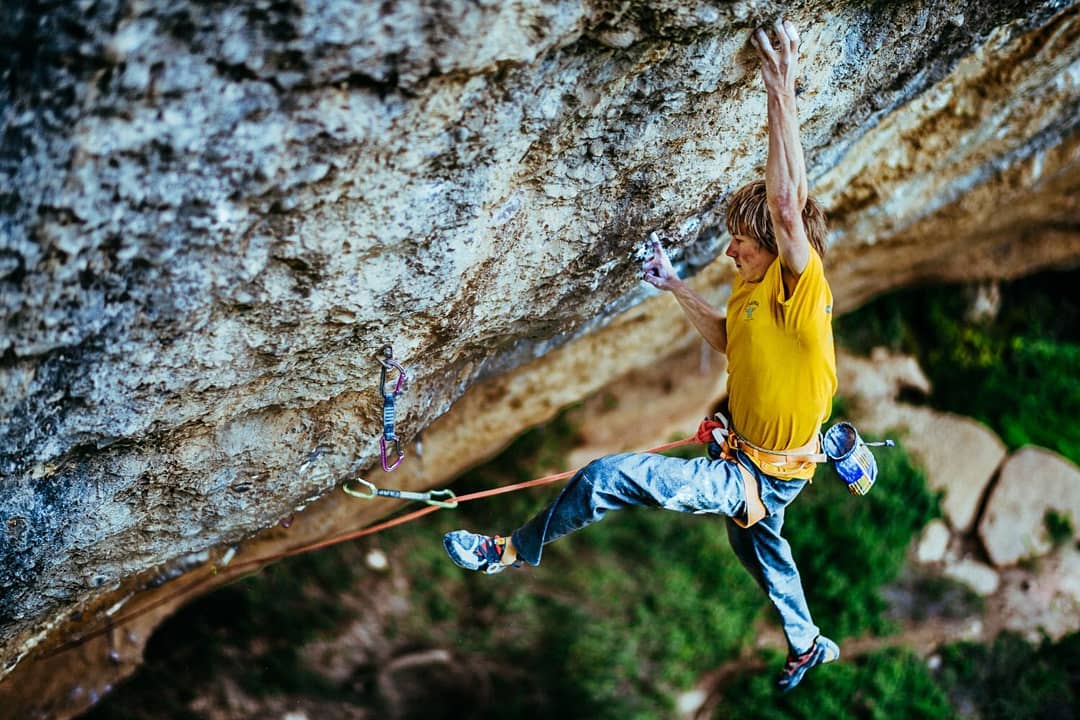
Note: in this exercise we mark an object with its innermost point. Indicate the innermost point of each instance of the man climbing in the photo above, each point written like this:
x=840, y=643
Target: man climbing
x=777, y=334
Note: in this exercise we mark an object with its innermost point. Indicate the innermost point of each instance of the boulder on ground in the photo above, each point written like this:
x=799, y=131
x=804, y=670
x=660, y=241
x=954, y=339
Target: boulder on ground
x=1043, y=601
x=869, y=382
x=1035, y=486
x=978, y=576
x=933, y=543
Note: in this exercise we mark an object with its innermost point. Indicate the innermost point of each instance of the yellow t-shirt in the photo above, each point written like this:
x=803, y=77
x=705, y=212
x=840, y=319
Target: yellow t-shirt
x=781, y=359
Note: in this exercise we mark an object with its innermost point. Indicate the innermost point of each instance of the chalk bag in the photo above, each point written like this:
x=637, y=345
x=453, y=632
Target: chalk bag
x=851, y=457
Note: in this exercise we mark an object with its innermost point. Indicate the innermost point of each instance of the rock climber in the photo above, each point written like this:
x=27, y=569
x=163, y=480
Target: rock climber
x=777, y=334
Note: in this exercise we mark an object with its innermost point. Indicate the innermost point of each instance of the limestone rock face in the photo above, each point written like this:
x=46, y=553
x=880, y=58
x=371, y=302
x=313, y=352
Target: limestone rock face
x=214, y=215
x=1033, y=482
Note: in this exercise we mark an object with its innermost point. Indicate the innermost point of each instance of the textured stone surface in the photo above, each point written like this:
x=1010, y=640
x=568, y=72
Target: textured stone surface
x=978, y=576
x=933, y=542
x=1043, y=602
x=869, y=383
x=1033, y=482
x=212, y=216
x=960, y=456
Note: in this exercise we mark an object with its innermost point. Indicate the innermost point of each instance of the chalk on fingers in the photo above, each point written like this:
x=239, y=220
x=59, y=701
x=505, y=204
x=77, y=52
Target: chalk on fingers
x=792, y=32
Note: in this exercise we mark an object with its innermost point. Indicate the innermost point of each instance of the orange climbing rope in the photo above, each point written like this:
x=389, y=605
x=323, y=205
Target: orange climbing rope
x=409, y=517
x=113, y=623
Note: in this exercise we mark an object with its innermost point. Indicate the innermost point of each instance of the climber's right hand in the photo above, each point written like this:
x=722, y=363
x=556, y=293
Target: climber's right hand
x=656, y=269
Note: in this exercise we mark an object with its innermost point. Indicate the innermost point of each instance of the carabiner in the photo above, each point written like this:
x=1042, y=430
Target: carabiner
x=390, y=364
x=383, y=444
x=429, y=497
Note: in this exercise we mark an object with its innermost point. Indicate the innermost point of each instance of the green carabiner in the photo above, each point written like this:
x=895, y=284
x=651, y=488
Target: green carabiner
x=429, y=497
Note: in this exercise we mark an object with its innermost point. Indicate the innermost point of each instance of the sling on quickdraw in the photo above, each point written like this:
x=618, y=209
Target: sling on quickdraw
x=389, y=412
x=430, y=497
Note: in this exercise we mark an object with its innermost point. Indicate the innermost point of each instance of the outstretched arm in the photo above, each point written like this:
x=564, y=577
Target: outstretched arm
x=658, y=272
x=785, y=169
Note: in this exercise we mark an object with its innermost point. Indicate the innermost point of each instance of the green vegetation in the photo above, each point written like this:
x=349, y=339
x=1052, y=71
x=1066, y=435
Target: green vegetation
x=1013, y=680
x=1010, y=680
x=1058, y=526
x=1017, y=373
x=250, y=630
x=888, y=684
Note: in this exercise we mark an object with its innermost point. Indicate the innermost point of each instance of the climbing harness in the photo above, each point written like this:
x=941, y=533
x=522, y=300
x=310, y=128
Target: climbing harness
x=724, y=440
x=785, y=464
x=389, y=414
x=431, y=497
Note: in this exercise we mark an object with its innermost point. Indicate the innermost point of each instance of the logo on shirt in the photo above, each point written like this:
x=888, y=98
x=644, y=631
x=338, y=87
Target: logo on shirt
x=750, y=308
x=828, y=309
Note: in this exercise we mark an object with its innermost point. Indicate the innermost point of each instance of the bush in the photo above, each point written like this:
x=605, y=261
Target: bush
x=250, y=630
x=1013, y=680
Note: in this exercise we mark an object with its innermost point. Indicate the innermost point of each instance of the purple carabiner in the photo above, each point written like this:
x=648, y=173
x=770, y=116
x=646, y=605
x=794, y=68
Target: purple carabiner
x=401, y=378
x=400, y=453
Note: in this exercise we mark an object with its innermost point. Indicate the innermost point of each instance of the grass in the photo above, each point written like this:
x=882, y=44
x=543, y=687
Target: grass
x=1013, y=679
x=891, y=683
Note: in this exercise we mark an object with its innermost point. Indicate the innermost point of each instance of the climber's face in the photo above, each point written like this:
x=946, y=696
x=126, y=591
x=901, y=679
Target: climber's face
x=751, y=260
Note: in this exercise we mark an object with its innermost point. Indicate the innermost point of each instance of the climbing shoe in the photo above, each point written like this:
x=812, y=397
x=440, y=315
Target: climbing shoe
x=823, y=651
x=476, y=552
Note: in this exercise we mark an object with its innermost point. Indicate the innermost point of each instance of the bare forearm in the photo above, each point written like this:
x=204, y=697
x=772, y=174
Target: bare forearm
x=708, y=321
x=785, y=169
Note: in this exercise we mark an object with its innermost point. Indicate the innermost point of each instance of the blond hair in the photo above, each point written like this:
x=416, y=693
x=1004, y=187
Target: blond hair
x=748, y=214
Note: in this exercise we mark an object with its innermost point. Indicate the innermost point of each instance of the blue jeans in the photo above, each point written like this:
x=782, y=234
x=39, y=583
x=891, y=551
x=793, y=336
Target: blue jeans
x=700, y=486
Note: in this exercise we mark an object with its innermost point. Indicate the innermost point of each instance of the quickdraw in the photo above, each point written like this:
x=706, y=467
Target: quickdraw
x=389, y=437
x=436, y=498
x=430, y=497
